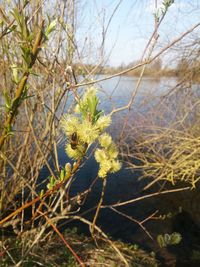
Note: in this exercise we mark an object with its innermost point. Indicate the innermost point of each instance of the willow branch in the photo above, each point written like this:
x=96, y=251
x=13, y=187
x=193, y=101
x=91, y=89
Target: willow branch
x=20, y=88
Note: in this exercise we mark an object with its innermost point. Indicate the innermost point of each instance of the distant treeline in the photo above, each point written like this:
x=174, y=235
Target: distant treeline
x=184, y=68
x=190, y=70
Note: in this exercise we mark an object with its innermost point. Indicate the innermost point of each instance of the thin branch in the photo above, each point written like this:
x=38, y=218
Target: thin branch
x=63, y=239
x=145, y=197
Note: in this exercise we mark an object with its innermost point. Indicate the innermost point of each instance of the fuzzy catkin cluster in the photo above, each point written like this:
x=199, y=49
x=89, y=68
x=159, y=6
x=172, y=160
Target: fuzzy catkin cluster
x=86, y=123
x=86, y=133
x=84, y=127
x=107, y=156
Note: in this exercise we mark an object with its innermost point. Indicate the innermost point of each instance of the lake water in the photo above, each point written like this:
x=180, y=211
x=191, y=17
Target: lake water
x=124, y=185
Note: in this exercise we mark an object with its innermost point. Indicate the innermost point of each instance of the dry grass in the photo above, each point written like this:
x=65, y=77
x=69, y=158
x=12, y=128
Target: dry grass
x=52, y=253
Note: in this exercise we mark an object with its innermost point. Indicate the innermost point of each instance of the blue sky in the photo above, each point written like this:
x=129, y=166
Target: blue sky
x=132, y=25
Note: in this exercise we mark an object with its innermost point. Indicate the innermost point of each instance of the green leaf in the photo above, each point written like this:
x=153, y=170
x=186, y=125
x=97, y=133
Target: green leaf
x=7, y=100
x=97, y=115
x=62, y=175
x=41, y=194
x=26, y=54
x=22, y=23
x=92, y=104
x=50, y=28
x=52, y=180
x=51, y=183
x=49, y=186
x=16, y=15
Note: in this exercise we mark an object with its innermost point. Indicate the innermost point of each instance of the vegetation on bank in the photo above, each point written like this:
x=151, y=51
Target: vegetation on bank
x=189, y=68
x=52, y=253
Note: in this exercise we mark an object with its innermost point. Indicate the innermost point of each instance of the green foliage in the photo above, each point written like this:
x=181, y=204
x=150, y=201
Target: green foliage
x=7, y=100
x=41, y=194
x=168, y=3
x=25, y=36
x=29, y=41
x=162, y=10
x=52, y=182
x=22, y=23
x=168, y=239
x=88, y=106
x=50, y=28
x=64, y=174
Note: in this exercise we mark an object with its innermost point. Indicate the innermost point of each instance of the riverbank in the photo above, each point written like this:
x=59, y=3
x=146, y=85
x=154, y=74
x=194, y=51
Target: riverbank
x=54, y=253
